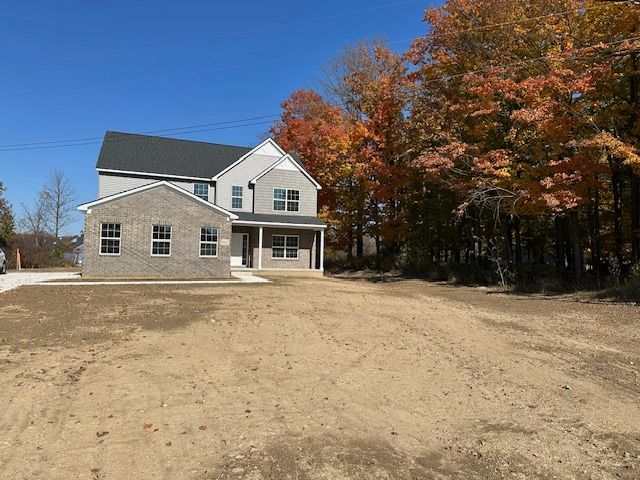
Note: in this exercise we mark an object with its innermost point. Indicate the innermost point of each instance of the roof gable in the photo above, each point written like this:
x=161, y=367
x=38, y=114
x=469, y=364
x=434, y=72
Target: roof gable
x=286, y=163
x=86, y=207
x=125, y=152
x=267, y=148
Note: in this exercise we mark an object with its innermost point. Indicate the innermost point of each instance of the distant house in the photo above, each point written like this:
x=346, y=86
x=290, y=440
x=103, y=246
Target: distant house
x=74, y=249
x=177, y=208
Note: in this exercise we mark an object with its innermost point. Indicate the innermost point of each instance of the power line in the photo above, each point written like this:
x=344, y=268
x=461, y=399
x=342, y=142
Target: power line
x=312, y=55
x=101, y=141
x=229, y=123
x=527, y=60
x=539, y=17
x=191, y=74
x=29, y=144
x=225, y=35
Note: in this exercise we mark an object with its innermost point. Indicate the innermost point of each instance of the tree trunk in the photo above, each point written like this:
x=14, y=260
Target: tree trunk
x=518, y=240
x=576, y=245
x=635, y=217
x=594, y=231
x=634, y=86
x=508, y=244
x=560, y=252
x=616, y=190
x=359, y=239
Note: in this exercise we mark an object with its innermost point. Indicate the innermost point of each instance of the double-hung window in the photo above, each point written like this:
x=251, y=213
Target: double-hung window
x=236, y=197
x=201, y=190
x=110, y=236
x=208, y=242
x=285, y=247
x=161, y=241
x=286, y=199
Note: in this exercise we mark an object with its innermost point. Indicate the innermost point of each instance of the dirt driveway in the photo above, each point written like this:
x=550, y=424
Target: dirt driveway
x=315, y=379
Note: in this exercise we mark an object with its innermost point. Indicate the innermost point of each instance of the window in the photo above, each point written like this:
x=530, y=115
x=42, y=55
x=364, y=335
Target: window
x=201, y=190
x=279, y=198
x=161, y=241
x=208, y=242
x=293, y=200
x=110, y=236
x=285, y=247
x=286, y=200
x=236, y=197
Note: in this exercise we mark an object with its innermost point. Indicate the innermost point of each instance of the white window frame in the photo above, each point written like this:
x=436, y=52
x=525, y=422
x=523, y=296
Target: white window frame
x=153, y=240
x=208, y=242
x=285, y=247
x=201, y=196
x=110, y=238
x=285, y=200
x=236, y=197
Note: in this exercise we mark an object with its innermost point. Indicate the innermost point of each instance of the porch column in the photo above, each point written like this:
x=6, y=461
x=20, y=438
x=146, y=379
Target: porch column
x=322, y=250
x=260, y=248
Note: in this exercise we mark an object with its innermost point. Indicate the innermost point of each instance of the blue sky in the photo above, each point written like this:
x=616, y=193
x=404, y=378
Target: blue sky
x=73, y=69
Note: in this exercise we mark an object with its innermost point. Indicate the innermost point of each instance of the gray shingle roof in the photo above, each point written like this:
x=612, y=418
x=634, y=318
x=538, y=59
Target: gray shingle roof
x=276, y=218
x=166, y=156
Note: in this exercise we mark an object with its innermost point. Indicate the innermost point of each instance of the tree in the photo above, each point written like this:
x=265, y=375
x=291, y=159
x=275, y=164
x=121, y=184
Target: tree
x=519, y=111
x=34, y=219
x=7, y=220
x=319, y=133
x=508, y=135
x=59, y=200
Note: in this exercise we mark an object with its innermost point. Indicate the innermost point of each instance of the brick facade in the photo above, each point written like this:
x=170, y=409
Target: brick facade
x=137, y=213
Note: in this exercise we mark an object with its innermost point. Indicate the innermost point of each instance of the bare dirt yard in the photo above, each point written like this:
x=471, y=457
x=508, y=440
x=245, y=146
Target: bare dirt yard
x=315, y=379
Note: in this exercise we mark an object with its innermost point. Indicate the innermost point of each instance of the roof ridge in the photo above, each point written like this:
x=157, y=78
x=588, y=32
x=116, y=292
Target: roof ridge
x=174, y=139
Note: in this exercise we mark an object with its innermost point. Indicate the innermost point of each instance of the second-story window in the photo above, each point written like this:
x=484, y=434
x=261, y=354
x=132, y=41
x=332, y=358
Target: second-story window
x=201, y=190
x=286, y=200
x=236, y=197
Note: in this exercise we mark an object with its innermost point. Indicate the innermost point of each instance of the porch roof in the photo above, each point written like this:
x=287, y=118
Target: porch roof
x=275, y=220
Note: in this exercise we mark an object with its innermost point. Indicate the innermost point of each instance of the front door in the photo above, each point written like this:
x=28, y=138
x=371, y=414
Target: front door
x=239, y=249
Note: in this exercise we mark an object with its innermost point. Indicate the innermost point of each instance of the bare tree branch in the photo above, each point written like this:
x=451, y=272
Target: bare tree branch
x=60, y=198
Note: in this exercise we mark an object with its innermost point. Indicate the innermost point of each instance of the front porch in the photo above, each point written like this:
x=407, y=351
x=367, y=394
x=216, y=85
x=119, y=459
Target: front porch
x=282, y=247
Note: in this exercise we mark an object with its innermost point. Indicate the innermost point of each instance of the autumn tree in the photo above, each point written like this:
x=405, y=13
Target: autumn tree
x=506, y=136
x=318, y=132
x=518, y=102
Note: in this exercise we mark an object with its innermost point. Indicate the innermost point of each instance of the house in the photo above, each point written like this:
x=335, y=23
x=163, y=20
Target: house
x=185, y=209
x=74, y=249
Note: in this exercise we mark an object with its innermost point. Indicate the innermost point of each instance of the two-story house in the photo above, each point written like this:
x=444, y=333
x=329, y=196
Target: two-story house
x=185, y=209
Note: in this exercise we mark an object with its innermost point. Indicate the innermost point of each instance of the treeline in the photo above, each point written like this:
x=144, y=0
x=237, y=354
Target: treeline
x=37, y=232
x=506, y=140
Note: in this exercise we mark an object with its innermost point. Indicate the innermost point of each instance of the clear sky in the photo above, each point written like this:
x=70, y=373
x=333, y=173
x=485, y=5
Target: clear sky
x=73, y=69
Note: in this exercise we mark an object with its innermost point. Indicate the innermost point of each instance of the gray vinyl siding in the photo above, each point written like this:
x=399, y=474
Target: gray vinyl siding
x=286, y=179
x=112, y=184
x=240, y=175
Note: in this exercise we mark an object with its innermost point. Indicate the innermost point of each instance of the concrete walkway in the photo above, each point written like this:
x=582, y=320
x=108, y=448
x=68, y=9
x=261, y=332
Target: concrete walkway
x=17, y=279
x=239, y=278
